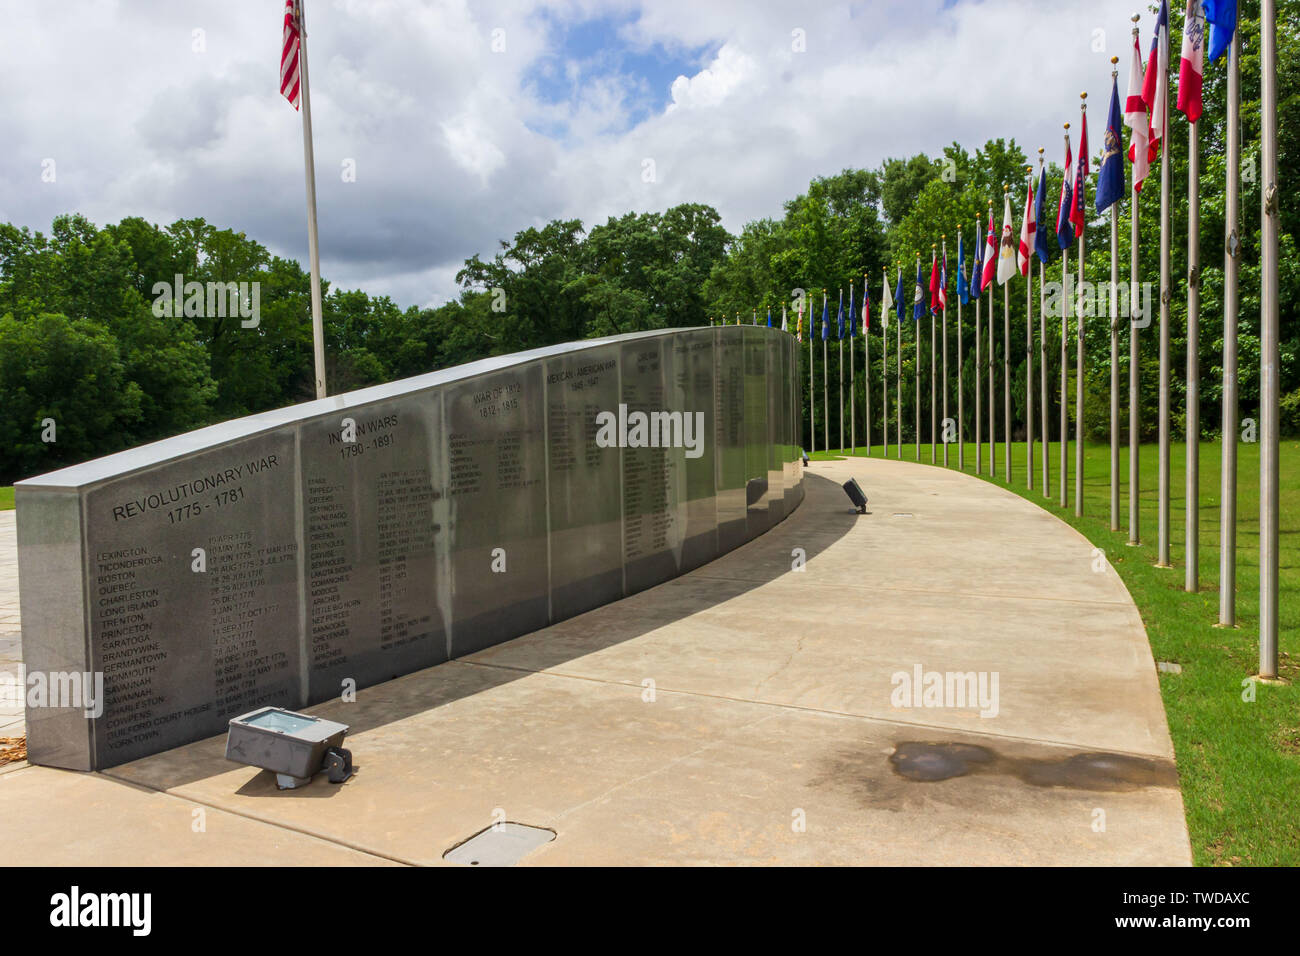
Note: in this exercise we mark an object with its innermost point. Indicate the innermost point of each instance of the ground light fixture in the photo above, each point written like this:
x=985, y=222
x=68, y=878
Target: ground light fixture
x=854, y=491
x=295, y=747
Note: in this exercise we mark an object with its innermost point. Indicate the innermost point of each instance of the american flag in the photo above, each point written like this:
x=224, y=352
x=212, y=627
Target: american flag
x=1082, y=169
x=289, y=55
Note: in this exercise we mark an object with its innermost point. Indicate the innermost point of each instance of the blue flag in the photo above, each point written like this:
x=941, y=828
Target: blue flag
x=900, y=303
x=826, y=321
x=839, y=319
x=963, y=287
x=918, y=295
x=1042, y=240
x=978, y=270
x=769, y=316
x=852, y=324
x=1110, y=178
x=1222, y=15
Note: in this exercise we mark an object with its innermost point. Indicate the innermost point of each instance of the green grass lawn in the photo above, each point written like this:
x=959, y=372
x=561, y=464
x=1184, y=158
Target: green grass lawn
x=1238, y=761
x=6, y=498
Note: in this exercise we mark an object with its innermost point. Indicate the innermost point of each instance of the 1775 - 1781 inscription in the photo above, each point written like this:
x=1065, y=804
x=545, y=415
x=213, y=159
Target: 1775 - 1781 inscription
x=282, y=558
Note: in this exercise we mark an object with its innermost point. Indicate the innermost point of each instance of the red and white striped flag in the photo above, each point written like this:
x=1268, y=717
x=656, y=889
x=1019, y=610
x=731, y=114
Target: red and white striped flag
x=1027, y=230
x=289, y=56
x=1191, y=63
x=1136, y=119
x=1154, y=91
x=990, y=256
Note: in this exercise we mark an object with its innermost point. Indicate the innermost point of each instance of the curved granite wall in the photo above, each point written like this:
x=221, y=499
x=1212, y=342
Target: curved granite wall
x=276, y=558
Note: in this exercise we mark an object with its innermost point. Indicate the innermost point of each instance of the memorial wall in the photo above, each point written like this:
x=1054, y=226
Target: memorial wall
x=281, y=558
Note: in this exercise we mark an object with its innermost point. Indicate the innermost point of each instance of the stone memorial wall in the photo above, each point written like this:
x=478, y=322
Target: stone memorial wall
x=280, y=558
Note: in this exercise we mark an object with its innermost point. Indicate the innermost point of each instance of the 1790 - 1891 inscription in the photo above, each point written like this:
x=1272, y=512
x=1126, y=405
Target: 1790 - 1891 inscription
x=280, y=558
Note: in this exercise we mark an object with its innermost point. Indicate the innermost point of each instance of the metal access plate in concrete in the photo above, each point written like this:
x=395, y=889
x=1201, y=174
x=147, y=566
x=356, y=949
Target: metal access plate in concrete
x=503, y=844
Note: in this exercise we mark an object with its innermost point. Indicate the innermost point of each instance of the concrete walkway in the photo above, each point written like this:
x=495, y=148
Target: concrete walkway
x=744, y=713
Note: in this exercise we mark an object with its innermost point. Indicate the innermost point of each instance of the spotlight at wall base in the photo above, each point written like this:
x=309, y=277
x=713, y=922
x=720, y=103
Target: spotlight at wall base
x=854, y=491
x=295, y=747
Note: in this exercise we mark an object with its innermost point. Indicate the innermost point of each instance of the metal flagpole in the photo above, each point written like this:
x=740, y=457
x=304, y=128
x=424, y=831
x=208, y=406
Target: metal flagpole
x=866, y=361
x=1078, y=333
x=993, y=405
x=1029, y=346
x=1006, y=365
x=898, y=388
x=1162, y=558
x=884, y=372
x=1065, y=334
x=944, y=239
x=853, y=394
x=979, y=356
x=812, y=386
x=1042, y=356
x=1228, y=439
x=1134, y=371
x=313, y=245
x=1192, y=489
x=841, y=337
x=961, y=398
x=916, y=367
x=826, y=374
x=933, y=455
x=1114, y=342
x=1269, y=365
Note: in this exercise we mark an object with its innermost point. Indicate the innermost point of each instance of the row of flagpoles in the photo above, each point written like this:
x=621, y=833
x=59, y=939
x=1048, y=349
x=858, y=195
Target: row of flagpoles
x=1000, y=257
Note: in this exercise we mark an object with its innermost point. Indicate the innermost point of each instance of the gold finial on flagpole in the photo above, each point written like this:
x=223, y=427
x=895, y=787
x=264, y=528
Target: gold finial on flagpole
x=1067, y=126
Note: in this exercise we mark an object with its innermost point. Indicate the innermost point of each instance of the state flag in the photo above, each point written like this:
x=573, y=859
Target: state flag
x=1191, y=61
x=1007, y=247
x=990, y=256
x=1153, y=91
x=1028, y=232
x=1137, y=120
x=1065, y=228
x=1110, y=178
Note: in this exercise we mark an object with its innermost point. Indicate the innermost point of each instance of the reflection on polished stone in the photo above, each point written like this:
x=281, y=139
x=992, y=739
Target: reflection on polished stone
x=297, y=555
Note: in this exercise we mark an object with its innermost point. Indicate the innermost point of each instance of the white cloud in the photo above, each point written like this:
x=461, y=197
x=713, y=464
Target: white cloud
x=455, y=147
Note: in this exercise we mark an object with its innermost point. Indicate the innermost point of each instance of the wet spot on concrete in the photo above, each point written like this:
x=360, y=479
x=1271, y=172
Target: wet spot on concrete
x=1098, y=771
x=941, y=761
x=932, y=761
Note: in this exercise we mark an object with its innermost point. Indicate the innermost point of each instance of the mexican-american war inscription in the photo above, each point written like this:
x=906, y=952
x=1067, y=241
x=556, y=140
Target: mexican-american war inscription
x=278, y=559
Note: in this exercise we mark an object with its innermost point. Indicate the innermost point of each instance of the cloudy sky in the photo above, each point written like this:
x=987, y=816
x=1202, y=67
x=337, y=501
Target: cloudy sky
x=468, y=121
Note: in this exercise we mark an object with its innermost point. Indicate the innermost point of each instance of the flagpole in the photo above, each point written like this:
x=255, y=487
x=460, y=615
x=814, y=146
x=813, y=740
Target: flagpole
x=1078, y=324
x=933, y=391
x=812, y=387
x=898, y=386
x=916, y=368
x=979, y=357
x=853, y=394
x=313, y=244
x=1162, y=560
x=944, y=240
x=826, y=374
x=1029, y=343
x=884, y=369
x=841, y=337
x=866, y=360
x=1192, y=488
x=1229, y=431
x=1114, y=338
x=1134, y=409
x=1006, y=362
x=1065, y=335
x=1042, y=353
x=1269, y=358
x=993, y=410
x=961, y=399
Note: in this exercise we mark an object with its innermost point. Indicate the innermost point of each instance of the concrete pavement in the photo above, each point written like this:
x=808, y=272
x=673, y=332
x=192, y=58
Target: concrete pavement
x=744, y=713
